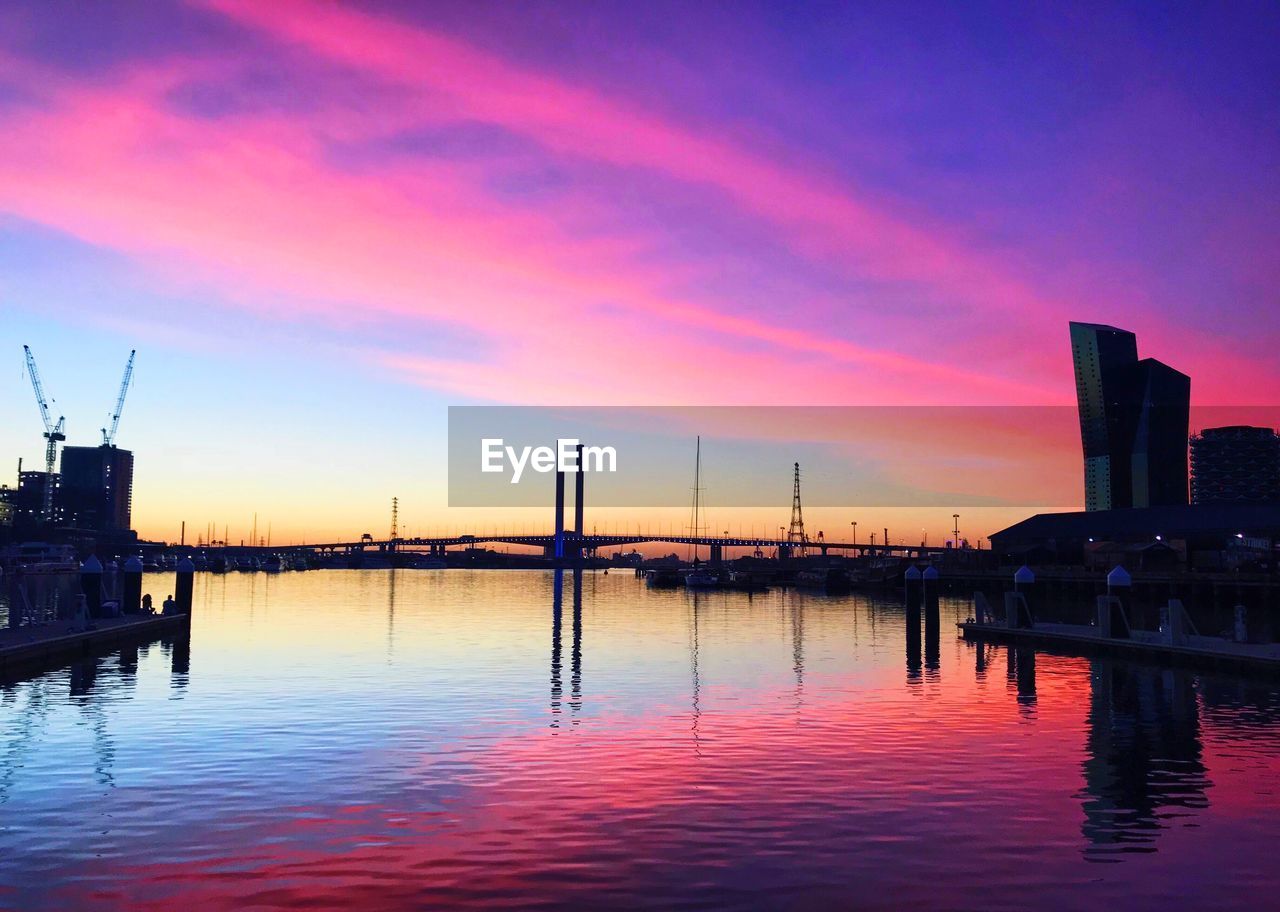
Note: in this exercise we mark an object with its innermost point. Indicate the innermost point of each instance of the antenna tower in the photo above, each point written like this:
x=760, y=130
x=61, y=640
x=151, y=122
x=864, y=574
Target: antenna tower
x=796, y=537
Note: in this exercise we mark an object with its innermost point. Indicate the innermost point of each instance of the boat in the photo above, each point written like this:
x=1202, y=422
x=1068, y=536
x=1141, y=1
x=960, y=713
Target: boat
x=701, y=578
x=662, y=578
x=38, y=557
x=832, y=580
x=749, y=580
x=272, y=565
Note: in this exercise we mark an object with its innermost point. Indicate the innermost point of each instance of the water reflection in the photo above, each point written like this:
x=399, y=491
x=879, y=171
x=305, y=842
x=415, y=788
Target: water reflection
x=1144, y=767
x=1022, y=674
x=913, y=645
x=557, y=611
x=575, y=649
x=797, y=649
x=575, y=673
x=696, y=681
x=309, y=769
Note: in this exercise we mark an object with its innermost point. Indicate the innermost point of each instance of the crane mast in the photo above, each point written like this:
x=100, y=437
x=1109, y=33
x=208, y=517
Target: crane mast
x=53, y=433
x=109, y=436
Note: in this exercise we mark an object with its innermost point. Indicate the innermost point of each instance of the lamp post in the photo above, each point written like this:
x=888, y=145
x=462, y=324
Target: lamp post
x=855, y=531
x=956, y=539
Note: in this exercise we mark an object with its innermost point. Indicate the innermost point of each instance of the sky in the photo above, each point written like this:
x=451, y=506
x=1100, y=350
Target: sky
x=320, y=225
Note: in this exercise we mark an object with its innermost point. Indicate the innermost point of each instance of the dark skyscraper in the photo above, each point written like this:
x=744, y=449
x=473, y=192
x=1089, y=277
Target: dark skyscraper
x=97, y=488
x=1134, y=417
x=1238, y=464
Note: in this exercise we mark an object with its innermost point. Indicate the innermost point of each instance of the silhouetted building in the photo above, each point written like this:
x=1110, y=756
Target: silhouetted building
x=1134, y=418
x=1237, y=464
x=28, y=502
x=8, y=496
x=97, y=488
x=1205, y=536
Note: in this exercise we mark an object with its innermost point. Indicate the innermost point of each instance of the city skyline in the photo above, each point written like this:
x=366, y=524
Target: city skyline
x=318, y=228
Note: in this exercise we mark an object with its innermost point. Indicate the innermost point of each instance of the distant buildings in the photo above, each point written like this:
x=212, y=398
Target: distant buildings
x=28, y=500
x=1235, y=464
x=92, y=496
x=1134, y=419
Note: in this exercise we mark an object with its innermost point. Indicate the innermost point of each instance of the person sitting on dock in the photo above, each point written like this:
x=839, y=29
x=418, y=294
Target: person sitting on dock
x=147, y=607
x=170, y=606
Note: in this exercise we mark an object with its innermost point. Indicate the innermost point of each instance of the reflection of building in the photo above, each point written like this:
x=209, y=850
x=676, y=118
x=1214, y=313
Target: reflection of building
x=1233, y=464
x=1133, y=421
x=1143, y=755
x=97, y=488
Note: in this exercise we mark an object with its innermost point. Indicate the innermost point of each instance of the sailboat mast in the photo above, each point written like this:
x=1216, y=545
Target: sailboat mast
x=697, y=488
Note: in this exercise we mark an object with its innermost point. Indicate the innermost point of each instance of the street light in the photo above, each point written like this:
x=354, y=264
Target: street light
x=855, y=531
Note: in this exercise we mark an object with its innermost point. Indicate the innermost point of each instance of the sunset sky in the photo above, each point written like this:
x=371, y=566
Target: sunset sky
x=322, y=224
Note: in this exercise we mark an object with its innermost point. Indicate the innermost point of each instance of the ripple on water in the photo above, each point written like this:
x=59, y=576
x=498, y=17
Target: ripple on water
x=457, y=738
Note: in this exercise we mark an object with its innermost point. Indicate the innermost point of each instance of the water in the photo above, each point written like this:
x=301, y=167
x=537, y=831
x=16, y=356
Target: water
x=448, y=739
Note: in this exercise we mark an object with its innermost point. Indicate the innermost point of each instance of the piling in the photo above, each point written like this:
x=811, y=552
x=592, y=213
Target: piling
x=91, y=585
x=184, y=583
x=1113, y=608
x=911, y=586
x=932, y=618
x=1240, y=627
x=579, y=503
x=1017, y=604
x=559, y=539
x=929, y=585
x=131, y=588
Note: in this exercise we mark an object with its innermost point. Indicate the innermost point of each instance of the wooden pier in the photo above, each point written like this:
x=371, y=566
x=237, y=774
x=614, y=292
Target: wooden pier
x=1080, y=639
x=31, y=649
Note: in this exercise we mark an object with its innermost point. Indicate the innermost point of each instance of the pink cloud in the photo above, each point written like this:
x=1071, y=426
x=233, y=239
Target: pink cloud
x=250, y=207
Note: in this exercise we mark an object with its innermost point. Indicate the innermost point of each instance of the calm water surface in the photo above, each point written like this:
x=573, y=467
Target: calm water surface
x=466, y=739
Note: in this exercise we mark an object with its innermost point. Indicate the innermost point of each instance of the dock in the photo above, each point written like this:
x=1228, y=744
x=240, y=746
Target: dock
x=31, y=649
x=1081, y=639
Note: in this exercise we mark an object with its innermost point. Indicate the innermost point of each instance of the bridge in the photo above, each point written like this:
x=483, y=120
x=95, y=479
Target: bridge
x=572, y=545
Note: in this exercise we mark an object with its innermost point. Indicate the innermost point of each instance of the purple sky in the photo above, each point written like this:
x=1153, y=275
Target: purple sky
x=643, y=203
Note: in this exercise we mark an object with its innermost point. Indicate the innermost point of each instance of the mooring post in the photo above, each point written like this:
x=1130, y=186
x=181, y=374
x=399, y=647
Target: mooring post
x=911, y=583
x=131, y=588
x=579, y=504
x=559, y=537
x=184, y=583
x=929, y=582
x=91, y=585
x=1112, y=607
x=1017, y=605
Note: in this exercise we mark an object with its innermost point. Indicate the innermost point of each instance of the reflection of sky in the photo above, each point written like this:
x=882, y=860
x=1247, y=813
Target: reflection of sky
x=321, y=225
x=411, y=748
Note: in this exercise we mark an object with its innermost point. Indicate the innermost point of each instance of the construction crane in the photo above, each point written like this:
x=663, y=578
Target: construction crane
x=53, y=433
x=109, y=436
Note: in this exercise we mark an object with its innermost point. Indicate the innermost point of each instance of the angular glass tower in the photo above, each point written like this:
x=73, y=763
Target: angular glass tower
x=1134, y=418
